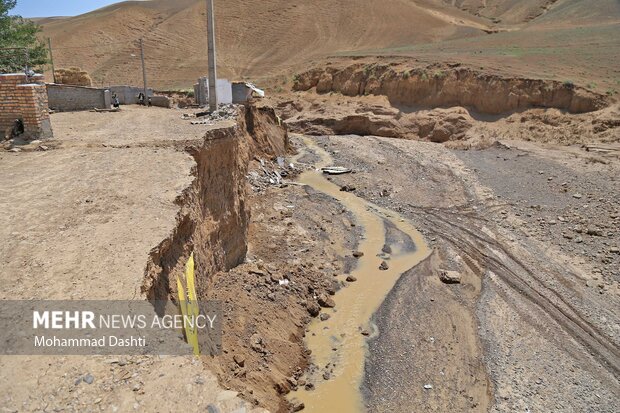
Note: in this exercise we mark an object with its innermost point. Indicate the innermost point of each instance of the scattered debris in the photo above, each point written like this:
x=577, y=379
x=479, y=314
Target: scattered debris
x=351, y=279
x=223, y=112
x=273, y=173
x=358, y=254
x=106, y=110
x=384, y=266
x=297, y=406
x=88, y=379
x=256, y=343
x=428, y=387
x=384, y=193
x=335, y=170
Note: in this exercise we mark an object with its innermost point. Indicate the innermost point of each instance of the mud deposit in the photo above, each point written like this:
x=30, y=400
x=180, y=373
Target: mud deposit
x=528, y=326
x=389, y=246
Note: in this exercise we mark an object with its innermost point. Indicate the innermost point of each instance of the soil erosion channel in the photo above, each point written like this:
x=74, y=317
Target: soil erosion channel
x=337, y=344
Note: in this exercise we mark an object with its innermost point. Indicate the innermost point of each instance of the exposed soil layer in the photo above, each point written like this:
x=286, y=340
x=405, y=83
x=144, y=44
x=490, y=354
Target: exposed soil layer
x=448, y=85
x=214, y=215
x=445, y=103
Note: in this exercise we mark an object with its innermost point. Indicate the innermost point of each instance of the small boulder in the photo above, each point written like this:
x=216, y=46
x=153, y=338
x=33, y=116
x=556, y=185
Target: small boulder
x=88, y=379
x=239, y=359
x=313, y=308
x=326, y=301
x=449, y=277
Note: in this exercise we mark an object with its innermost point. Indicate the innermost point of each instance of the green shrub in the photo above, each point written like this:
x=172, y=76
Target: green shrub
x=568, y=84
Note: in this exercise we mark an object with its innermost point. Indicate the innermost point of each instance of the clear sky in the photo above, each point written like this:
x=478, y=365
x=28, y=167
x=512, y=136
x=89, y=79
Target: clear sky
x=47, y=8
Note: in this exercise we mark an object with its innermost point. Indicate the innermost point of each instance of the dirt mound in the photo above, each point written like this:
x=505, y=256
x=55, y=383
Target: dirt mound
x=73, y=76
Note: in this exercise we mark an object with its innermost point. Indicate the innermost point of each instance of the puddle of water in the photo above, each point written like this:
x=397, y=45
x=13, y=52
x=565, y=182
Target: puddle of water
x=339, y=340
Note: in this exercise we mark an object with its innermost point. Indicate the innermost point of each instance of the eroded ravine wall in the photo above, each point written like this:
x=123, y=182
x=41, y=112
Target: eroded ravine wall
x=214, y=212
x=445, y=86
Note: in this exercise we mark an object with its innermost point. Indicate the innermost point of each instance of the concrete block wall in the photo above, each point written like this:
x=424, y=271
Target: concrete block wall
x=26, y=99
x=161, y=101
x=67, y=98
x=128, y=95
x=241, y=93
x=224, y=91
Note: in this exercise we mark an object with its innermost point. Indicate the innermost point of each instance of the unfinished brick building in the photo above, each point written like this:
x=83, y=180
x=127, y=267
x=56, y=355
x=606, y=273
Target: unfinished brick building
x=24, y=98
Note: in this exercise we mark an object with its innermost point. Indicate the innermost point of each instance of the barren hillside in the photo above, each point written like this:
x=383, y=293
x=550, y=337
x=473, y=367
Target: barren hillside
x=260, y=39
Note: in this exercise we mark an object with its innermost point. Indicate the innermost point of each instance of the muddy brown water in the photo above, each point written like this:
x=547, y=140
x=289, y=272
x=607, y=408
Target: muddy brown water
x=338, y=342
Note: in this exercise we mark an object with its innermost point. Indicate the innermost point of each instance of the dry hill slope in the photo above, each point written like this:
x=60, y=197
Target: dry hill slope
x=261, y=39
x=255, y=38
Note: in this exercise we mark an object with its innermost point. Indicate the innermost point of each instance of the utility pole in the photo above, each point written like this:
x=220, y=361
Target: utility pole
x=49, y=44
x=212, y=56
x=146, y=96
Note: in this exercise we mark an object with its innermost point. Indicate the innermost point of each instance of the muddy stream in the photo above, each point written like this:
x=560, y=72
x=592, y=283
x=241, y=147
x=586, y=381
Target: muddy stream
x=337, y=344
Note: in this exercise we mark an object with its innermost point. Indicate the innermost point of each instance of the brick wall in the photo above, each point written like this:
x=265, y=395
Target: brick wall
x=25, y=99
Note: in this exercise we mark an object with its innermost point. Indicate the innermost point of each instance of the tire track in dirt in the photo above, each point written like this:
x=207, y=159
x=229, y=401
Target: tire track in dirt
x=515, y=287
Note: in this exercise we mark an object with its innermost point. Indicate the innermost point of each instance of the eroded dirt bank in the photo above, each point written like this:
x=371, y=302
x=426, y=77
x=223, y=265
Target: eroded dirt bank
x=214, y=215
x=448, y=85
x=464, y=106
